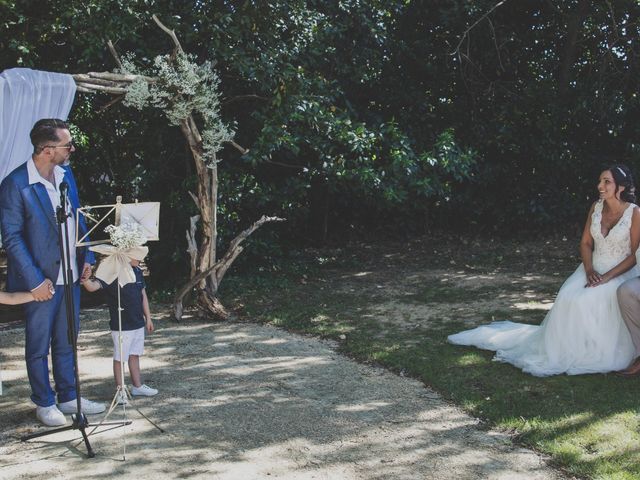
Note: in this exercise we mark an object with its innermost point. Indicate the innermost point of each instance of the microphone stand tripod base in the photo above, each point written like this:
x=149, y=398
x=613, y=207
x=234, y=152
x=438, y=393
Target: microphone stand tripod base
x=78, y=422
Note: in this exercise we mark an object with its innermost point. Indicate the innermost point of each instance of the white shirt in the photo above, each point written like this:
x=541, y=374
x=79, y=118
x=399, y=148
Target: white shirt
x=54, y=195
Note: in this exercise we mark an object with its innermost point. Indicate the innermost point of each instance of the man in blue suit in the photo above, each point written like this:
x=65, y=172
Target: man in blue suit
x=29, y=197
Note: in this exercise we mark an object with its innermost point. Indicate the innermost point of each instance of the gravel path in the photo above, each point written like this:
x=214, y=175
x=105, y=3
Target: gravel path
x=245, y=401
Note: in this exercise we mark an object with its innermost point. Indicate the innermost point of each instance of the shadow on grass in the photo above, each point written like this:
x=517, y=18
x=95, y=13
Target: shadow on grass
x=587, y=423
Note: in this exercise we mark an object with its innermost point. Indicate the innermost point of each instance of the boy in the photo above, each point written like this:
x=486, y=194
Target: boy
x=135, y=317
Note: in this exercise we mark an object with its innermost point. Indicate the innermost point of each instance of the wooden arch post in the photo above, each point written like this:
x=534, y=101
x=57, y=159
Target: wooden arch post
x=207, y=267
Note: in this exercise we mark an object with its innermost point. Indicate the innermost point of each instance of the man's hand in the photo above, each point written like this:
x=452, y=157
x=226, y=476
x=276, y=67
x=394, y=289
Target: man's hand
x=43, y=292
x=86, y=272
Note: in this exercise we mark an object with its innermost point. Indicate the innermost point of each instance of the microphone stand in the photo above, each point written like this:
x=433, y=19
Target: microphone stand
x=79, y=419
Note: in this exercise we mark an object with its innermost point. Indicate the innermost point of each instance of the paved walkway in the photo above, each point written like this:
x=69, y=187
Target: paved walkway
x=244, y=401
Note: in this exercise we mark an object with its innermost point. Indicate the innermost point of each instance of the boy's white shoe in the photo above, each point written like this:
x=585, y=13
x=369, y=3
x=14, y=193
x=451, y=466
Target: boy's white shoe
x=51, y=416
x=143, y=390
x=86, y=406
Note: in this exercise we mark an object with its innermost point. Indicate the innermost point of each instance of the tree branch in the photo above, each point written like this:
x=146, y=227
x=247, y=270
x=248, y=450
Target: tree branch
x=245, y=97
x=86, y=78
x=570, y=48
x=297, y=167
x=82, y=89
x=222, y=265
x=194, y=198
x=464, y=34
x=192, y=244
x=121, y=77
x=240, y=148
x=115, y=55
x=169, y=32
x=92, y=87
x=495, y=42
x=111, y=102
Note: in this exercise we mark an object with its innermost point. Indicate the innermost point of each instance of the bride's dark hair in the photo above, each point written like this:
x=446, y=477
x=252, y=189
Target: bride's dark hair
x=623, y=178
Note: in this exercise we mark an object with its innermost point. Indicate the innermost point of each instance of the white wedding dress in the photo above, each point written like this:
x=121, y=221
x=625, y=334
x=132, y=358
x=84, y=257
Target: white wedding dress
x=584, y=331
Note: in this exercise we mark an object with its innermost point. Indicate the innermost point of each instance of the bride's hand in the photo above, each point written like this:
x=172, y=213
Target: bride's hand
x=603, y=279
x=593, y=278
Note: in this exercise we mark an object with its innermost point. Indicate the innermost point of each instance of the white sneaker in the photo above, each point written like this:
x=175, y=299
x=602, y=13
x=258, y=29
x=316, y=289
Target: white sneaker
x=87, y=406
x=50, y=416
x=121, y=398
x=143, y=390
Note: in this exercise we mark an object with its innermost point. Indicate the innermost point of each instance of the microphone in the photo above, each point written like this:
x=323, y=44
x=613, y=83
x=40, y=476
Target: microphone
x=64, y=188
x=62, y=209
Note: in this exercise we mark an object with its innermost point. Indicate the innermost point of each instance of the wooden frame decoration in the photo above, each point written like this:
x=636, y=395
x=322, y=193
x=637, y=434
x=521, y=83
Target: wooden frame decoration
x=144, y=214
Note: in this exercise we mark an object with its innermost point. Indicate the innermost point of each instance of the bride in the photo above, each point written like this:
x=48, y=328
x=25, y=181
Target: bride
x=584, y=331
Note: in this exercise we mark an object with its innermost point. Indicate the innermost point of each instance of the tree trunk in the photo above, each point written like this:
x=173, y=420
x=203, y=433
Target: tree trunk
x=207, y=203
x=212, y=281
x=325, y=215
x=319, y=206
x=204, y=198
x=206, y=270
x=211, y=304
x=570, y=48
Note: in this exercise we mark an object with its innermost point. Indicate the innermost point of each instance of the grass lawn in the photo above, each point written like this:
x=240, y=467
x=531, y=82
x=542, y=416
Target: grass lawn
x=394, y=305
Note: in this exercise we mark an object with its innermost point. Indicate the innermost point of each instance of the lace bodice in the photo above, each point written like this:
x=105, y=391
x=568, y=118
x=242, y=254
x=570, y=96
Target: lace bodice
x=616, y=246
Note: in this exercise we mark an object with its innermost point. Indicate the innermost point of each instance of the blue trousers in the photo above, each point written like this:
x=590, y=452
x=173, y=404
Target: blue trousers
x=47, y=327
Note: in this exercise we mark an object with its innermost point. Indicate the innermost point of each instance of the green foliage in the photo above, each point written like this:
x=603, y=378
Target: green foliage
x=181, y=88
x=360, y=117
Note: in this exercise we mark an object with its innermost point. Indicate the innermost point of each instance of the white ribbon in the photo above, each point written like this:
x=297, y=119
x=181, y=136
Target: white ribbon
x=117, y=263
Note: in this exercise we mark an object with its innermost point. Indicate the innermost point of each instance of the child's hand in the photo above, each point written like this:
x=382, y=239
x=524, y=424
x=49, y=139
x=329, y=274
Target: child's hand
x=86, y=272
x=149, y=324
x=90, y=285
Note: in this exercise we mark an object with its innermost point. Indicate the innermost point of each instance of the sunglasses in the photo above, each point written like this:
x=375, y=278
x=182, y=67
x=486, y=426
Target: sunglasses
x=66, y=146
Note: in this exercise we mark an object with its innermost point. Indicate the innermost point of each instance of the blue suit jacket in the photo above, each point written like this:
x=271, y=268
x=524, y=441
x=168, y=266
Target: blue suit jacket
x=30, y=230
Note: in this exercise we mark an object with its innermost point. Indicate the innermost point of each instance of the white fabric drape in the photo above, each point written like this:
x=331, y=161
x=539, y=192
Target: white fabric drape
x=26, y=96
